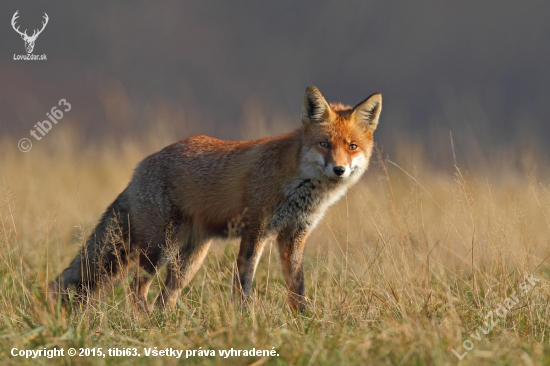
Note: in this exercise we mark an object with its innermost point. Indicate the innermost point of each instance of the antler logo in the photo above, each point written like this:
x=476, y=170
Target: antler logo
x=29, y=40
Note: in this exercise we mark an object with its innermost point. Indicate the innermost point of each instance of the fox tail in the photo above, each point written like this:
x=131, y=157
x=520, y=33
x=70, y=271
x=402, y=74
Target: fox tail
x=101, y=258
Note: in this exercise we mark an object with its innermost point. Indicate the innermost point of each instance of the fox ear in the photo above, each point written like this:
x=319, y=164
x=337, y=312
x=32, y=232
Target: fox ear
x=368, y=111
x=315, y=108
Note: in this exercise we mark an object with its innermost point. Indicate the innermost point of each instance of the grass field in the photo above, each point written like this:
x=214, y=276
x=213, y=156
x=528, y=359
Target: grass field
x=401, y=271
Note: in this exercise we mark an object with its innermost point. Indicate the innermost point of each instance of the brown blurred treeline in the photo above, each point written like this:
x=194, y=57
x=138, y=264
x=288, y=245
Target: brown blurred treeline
x=478, y=70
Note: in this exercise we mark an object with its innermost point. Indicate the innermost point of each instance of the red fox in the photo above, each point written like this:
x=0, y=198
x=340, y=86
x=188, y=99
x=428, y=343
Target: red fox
x=194, y=190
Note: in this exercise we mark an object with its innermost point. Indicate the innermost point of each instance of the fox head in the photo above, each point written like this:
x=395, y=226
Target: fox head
x=337, y=140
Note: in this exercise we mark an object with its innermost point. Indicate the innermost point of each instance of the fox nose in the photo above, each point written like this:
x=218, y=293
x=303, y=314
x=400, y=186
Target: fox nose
x=339, y=170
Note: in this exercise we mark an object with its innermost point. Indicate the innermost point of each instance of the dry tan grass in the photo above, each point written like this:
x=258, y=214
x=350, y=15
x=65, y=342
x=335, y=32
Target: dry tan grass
x=401, y=271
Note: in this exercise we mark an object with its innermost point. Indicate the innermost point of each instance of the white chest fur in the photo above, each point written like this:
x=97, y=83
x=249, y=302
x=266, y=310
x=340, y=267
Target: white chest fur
x=305, y=203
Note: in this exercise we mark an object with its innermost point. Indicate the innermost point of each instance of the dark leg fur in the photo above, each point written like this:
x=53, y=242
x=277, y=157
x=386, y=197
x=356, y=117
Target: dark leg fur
x=291, y=249
x=250, y=252
x=181, y=269
x=142, y=281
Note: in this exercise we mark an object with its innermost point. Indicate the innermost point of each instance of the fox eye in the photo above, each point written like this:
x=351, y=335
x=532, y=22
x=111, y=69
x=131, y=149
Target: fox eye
x=352, y=146
x=323, y=144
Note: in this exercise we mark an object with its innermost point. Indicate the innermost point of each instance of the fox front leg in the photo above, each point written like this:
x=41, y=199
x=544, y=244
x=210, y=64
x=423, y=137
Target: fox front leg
x=250, y=252
x=291, y=242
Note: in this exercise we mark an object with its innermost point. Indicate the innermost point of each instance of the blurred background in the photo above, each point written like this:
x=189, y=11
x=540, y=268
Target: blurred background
x=238, y=70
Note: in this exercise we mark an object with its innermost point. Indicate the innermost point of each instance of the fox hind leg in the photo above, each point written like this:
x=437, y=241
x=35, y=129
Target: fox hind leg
x=145, y=274
x=152, y=240
x=181, y=269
